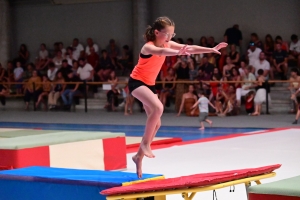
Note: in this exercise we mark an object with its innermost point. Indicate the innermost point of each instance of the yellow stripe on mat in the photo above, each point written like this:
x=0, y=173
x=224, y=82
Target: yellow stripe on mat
x=145, y=180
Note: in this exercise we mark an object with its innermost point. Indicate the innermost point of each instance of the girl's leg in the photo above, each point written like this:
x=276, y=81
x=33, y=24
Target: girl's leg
x=209, y=121
x=297, y=116
x=256, y=112
x=202, y=126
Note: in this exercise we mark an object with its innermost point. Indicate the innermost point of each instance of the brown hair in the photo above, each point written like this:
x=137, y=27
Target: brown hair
x=159, y=24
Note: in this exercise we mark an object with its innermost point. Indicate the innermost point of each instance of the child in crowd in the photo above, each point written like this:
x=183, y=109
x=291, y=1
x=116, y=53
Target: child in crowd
x=203, y=107
x=249, y=104
x=18, y=75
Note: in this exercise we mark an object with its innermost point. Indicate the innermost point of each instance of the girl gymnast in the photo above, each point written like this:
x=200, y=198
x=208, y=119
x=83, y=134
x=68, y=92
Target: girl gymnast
x=141, y=83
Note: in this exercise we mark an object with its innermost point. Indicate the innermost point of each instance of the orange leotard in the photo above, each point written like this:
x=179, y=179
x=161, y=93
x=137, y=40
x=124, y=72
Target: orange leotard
x=147, y=69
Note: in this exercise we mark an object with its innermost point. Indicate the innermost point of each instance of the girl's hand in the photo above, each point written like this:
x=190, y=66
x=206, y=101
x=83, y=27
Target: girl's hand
x=183, y=50
x=218, y=47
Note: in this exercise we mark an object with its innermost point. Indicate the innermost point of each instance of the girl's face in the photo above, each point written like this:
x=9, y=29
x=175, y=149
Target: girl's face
x=165, y=35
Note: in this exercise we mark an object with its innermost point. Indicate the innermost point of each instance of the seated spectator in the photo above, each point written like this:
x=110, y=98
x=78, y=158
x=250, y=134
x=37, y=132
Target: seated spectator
x=168, y=88
x=58, y=89
x=243, y=65
x=129, y=100
x=3, y=93
x=113, y=51
x=235, y=76
x=69, y=56
x=269, y=47
x=126, y=59
x=182, y=68
x=85, y=72
x=93, y=58
x=105, y=65
x=253, y=53
x=112, y=95
x=204, y=79
x=211, y=59
x=207, y=67
x=9, y=75
x=247, y=86
x=75, y=68
x=222, y=59
x=71, y=90
x=57, y=60
x=78, y=49
x=91, y=45
x=227, y=68
x=263, y=64
x=179, y=40
x=55, y=50
x=18, y=77
x=217, y=73
x=43, y=58
x=28, y=72
x=285, y=45
x=65, y=69
x=261, y=90
x=234, y=55
x=193, y=68
x=33, y=89
x=46, y=88
x=187, y=101
x=62, y=49
x=256, y=41
x=52, y=70
x=211, y=42
x=230, y=102
x=280, y=58
x=295, y=49
x=198, y=57
x=23, y=54
x=293, y=87
x=2, y=73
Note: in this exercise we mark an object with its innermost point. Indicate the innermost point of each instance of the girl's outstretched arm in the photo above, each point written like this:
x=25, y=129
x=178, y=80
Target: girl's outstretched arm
x=154, y=50
x=194, y=49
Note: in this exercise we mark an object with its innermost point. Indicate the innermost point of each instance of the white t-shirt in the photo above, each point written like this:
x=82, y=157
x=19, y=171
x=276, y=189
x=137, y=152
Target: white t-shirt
x=63, y=51
x=242, y=72
x=52, y=74
x=295, y=46
x=85, y=72
x=253, y=55
x=77, y=50
x=250, y=77
x=57, y=61
x=18, y=71
x=87, y=49
x=203, y=104
x=264, y=65
x=43, y=54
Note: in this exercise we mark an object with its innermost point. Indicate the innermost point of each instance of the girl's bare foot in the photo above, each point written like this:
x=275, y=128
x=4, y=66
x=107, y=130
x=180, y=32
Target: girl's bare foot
x=126, y=114
x=138, y=163
x=210, y=123
x=147, y=151
x=202, y=128
x=255, y=114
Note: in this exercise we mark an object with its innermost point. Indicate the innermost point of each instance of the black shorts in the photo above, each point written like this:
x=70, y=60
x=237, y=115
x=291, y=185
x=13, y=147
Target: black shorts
x=133, y=84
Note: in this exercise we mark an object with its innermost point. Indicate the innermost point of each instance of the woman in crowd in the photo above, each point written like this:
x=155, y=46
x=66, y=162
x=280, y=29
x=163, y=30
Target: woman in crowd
x=269, y=47
x=188, y=99
x=230, y=102
x=227, y=68
x=234, y=55
x=46, y=88
x=23, y=54
x=58, y=88
x=168, y=88
x=33, y=88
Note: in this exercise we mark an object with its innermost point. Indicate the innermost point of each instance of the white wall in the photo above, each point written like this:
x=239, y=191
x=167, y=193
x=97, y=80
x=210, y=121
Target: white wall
x=50, y=23
x=194, y=18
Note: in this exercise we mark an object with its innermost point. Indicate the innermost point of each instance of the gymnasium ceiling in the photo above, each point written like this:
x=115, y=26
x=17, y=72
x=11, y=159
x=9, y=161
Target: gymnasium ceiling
x=55, y=2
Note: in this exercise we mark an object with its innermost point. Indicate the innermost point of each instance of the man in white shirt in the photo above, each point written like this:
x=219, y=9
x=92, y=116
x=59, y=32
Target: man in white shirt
x=90, y=43
x=85, y=70
x=247, y=86
x=253, y=53
x=52, y=70
x=78, y=49
x=295, y=49
x=263, y=64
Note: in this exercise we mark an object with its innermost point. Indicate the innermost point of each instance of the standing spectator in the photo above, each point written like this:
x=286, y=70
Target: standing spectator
x=293, y=87
x=234, y=55
x=249, y=102
x=263, y=64
x=23, y=54
x=105, y=65
x=31, y=91
x=253, y=53
x=280, y=58
x=295, y=49
x=269, y=47
x=247, y=86
x=113, y=50
x=168, y=88
x=57, y=60
x=78, y=49
x=91, y=44
x=227, y=68
x=234, y=36
x=46, y=88
x=57, y=90
x=52, y=70
x=93, y=57
x=42, y=59
x=18, y=77
x=256, y=41
x=70, y=91
x=260, y=96
x=62, y=49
